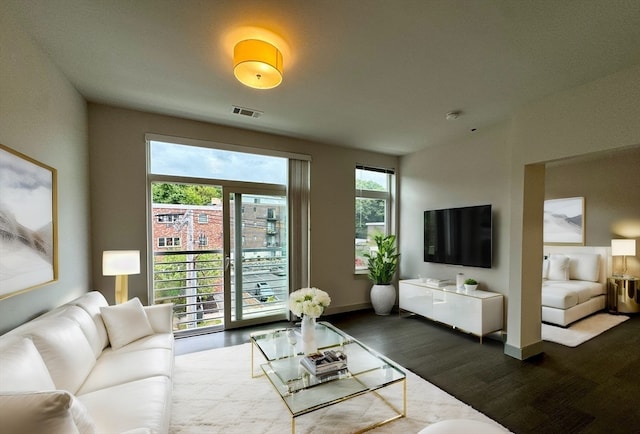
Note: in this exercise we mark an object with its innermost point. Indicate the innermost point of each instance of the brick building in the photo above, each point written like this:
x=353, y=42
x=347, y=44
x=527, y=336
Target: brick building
x=199, y=227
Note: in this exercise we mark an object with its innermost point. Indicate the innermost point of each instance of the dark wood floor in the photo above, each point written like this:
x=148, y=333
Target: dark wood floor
x=593, y=388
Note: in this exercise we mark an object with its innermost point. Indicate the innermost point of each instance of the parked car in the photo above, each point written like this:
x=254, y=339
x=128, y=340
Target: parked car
x=263, y=291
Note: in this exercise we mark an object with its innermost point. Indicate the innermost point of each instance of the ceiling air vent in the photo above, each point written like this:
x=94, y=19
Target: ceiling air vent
x=246, y=112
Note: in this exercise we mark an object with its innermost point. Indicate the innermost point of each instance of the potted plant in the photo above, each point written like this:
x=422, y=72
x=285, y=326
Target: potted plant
x=382, y=265
x=470, y=284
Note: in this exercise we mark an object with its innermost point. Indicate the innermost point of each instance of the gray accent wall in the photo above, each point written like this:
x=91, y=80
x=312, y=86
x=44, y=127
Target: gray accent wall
x=45, y=118
x=610, y=184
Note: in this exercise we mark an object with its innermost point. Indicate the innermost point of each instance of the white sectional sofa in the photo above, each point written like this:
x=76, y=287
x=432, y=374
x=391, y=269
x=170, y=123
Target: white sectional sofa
x=86, y=367
x=573, y=283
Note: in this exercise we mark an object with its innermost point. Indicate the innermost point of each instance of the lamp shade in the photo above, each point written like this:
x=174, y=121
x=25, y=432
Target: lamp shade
x=257, y=64
x=120, y=262
x=623, y=247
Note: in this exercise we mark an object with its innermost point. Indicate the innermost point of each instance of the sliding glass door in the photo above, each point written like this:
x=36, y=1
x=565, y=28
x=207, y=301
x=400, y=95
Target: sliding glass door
x=218, y=247
x=258, y=256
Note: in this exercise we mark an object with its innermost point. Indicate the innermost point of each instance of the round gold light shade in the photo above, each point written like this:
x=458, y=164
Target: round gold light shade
x=257, y=64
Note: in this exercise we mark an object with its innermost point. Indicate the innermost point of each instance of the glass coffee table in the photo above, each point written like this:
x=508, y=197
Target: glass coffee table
x=367, y=372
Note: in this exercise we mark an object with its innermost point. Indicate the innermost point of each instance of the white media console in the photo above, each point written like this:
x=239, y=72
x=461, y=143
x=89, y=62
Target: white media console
x=476, y=312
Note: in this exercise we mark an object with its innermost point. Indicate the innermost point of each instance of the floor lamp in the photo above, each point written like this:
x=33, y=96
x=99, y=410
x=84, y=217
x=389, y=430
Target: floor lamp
x=623, y=248
x=121, y=263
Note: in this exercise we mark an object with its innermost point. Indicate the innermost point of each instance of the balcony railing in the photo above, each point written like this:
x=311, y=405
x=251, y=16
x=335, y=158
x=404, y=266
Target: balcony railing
x=194, y=282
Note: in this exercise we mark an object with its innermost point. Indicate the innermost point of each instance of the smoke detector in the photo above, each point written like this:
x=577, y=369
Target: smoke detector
x=242, y=111
x=452, y=116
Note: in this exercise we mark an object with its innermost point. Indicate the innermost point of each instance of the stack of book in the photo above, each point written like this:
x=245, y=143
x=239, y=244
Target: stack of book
x=325, y=363
x=439, y=283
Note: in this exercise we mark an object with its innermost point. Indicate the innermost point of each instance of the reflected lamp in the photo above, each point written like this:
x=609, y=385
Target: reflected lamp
x=121, y=263
x=623, y=248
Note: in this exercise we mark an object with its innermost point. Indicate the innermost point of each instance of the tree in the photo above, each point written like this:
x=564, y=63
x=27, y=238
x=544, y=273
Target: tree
x=185, y=194
x=368, y=210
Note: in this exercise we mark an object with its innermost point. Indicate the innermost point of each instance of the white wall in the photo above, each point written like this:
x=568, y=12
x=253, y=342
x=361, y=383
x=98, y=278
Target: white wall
x=44, y=117
x=474, y=171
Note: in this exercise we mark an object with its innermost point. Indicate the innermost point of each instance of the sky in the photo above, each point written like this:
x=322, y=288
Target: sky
x=193, y=161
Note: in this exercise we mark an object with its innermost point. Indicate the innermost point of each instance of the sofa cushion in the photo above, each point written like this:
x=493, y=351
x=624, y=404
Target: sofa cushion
x=558, y=297
x=584, y=266
x=91, y=302
x=22, y=368
x=156, y=340
x=160, y=317
x=65, y=350
x=87, y=325
x=137, y=365
x=51, y=412
x=138, y=404
x=565, y=294
x=126, y=322
x=558, y=267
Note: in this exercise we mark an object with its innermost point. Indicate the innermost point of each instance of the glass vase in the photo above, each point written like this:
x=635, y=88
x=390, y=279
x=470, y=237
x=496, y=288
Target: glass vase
x=308, y=331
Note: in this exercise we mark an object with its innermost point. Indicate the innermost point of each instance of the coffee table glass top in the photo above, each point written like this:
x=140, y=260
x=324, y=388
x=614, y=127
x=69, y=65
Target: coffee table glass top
x=302, y=392
x=276, y=344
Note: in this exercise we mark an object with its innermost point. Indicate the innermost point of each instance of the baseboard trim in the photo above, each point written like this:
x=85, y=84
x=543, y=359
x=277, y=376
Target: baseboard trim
x=349, y=308
x=525, y=352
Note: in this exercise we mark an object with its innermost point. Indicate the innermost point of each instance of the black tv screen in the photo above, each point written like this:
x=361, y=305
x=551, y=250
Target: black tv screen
x=459, y=236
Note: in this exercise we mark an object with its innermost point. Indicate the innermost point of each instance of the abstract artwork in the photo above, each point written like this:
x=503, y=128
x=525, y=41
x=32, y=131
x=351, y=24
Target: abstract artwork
x=27, y=223
x=564, y=221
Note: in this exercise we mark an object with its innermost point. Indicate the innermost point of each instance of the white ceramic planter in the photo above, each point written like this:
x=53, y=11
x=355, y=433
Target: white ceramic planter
x=383, y=297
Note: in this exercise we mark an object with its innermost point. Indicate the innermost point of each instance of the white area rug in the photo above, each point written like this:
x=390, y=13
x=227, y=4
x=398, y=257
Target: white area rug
x=582, y=330
x=213, y=392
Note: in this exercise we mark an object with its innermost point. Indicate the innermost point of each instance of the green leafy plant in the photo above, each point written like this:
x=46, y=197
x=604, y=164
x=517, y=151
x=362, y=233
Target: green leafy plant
x=470, y=282
x=382, y=264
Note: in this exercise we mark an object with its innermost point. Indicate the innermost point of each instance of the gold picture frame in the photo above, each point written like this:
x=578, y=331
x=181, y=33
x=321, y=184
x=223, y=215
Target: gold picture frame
x=28, y=223
x=564, y=221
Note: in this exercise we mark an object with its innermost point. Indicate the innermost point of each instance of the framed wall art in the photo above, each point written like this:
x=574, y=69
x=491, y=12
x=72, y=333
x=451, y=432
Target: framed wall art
x=28, y=240
x=564, y=221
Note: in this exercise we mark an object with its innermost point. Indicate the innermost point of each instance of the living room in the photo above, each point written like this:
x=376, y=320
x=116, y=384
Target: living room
x=101, y=143
x=98, y=150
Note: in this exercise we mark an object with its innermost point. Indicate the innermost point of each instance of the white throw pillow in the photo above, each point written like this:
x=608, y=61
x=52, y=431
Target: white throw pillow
x=545, y=269
x=558, y=267
x=22, y=368
x=52, y=412
x=126, y=322
x=584, y=266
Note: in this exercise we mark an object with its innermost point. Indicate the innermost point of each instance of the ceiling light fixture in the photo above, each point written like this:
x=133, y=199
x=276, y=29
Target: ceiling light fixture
x=257, y=64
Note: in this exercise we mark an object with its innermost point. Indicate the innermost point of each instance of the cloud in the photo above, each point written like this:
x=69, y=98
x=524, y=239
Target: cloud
x=191, y=161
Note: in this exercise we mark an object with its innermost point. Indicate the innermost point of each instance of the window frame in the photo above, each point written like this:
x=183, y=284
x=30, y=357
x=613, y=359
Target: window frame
x=388, y=196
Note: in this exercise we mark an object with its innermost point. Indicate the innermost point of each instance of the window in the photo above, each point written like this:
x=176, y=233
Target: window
x=169, y=242
x=373, y=196
x=230, y=197
x=168, y=218
x=203, y=241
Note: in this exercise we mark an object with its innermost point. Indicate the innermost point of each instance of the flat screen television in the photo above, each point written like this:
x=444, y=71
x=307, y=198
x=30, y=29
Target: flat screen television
x=459, y=236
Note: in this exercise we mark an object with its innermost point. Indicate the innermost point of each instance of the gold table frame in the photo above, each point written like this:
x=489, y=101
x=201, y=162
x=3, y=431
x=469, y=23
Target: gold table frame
x=282, y=359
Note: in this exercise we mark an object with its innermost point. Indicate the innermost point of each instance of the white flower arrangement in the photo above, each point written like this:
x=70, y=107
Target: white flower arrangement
x=308, y=302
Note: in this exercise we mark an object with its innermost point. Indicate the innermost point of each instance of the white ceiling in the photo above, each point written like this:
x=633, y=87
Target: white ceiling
x=370, y=74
